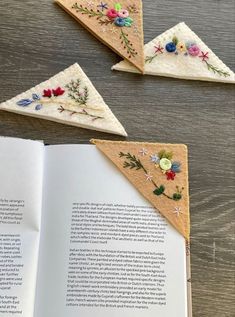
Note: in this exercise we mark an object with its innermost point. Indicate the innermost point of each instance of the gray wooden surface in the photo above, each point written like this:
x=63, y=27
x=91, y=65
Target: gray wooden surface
x=38, y=39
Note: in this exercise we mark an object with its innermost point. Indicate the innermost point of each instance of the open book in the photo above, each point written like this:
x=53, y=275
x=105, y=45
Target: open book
x=77, y=239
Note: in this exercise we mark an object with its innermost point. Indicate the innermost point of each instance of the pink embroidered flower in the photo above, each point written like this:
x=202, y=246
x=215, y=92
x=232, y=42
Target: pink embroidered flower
x=47, y=93
x=123, y=13
x=194, y=50
x=58, y=91
x=112, y=14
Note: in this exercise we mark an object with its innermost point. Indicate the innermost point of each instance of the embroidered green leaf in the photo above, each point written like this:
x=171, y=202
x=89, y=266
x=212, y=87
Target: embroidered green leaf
x=118, y=7
x=159, y=191
x=127, y=44
x=149, y=59
x=133, y=163
x=164, y=154
x=175, y=40
x=177, y=196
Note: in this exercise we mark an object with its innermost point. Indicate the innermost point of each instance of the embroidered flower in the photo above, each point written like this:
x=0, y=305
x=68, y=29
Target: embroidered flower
x=38, y=107
x=103, y=6
x=148, y=177
x=171, y=47
x=181, y=47
x=128, y=22
x=170, y=175
x=143, y=152
x=112, y=14
x=47, y=93
x=119, y=22
x=123, y=13
x=58, y=91
x=194, y=50
x=189, y=44
x=154, y=158
x=204, y=56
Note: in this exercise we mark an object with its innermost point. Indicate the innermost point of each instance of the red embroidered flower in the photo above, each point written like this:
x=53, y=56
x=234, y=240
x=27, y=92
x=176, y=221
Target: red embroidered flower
x=170, y=175
x=112, y=13
x=47, y=93
x=58, y=91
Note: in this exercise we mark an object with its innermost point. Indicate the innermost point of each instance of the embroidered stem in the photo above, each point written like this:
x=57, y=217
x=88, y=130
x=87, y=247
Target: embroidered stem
x=216, y=70
x=127, y=44
x=85, y=10
x=106, y=21
x=149, y=59
x=83, y=112
x=135, y=163
x=65, y=103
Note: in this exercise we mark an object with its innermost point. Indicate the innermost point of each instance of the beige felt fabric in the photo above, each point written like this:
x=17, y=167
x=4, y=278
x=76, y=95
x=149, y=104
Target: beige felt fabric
x=164, y=205
x=95, y=105
x=110, y=34
x=180, y=66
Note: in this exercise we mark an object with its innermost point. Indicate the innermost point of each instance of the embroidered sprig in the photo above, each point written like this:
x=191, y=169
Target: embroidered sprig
x=61, y=109
x=90, y=12
x=127, y=44
x=76, y=93
x=132, y=162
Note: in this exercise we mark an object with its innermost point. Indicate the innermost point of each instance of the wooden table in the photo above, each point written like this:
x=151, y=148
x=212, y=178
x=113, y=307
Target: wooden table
x=38, y=39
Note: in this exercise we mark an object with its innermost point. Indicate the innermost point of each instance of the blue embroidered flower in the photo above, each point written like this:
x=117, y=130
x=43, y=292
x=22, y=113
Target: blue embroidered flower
x=171, y=47
x=38, y=107
x=175, y=167
x=24, y=102
x=154, y=158
x=35, y=97
x=119, y=22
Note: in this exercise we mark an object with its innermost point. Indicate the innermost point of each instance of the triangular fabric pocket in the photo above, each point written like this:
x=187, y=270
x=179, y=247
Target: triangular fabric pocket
x=180, y=53
x=159, y=172
x=70, y=98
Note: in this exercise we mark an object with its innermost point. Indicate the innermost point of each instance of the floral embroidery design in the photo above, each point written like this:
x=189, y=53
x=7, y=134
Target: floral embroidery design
x=177, y=211
x=188, y=49
x=76, y=102
x=116, y=17
x=134, y=163
x=163, y=160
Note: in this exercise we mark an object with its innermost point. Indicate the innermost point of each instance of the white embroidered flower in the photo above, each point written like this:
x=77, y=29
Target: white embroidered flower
x=177, y=211
x=143, y=152
x=148, y=177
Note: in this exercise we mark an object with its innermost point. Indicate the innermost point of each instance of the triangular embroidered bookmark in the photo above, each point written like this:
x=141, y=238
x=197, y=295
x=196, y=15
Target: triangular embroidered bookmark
x=180, y=53
x=117, y=25
x=159, y=172
x=70, y=98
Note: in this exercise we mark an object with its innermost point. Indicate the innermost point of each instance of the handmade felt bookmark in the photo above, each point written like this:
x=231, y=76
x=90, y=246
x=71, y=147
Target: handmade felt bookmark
x=119, y=25
x=180, y=53
x=70, y=98
x=159, y=172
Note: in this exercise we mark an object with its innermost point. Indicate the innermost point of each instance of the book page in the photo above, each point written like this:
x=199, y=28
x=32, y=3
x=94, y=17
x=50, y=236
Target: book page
x=104, y=250
x=21, y=172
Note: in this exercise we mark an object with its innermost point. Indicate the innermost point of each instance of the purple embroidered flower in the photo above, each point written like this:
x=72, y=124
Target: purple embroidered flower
x=103, y=6
x=120, y=22
x=38, y=107
x=194, y=50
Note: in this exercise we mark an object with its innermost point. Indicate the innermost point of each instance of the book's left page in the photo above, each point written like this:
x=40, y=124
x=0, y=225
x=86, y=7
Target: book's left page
x=21, y=178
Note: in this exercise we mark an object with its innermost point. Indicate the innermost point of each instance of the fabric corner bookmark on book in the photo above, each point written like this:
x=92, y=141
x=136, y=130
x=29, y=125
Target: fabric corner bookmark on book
x=180, y=53
x=118, y=24
x=159, y=172
x=69, y=98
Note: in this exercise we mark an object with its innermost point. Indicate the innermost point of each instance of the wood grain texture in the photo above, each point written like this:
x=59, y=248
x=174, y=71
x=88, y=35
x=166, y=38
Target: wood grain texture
x=38, y=39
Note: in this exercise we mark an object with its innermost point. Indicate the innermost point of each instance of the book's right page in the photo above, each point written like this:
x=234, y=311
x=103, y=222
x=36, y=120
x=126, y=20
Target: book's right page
x=105, y=251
